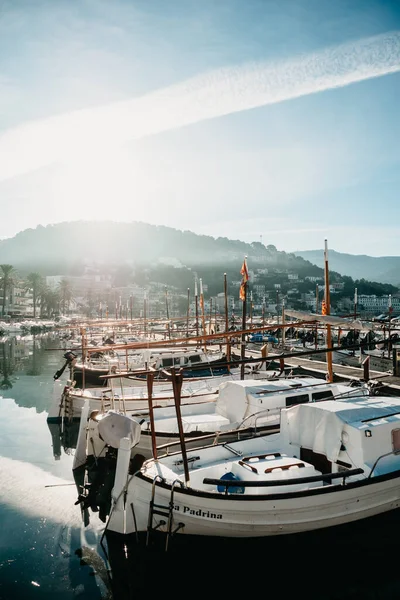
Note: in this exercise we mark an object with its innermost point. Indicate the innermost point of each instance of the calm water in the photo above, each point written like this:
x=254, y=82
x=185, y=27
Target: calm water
x=44, y=550
x=47, y=553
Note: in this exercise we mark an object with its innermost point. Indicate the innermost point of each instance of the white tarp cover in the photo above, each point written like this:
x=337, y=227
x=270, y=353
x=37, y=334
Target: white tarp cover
x=329, y=320
x=318, y=430
x=235, y=398
x=318, y=426
x=114, y=426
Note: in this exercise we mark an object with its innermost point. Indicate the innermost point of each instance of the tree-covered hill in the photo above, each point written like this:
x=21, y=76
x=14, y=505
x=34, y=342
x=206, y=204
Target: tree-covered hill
x=64, y=247
x=384, y=269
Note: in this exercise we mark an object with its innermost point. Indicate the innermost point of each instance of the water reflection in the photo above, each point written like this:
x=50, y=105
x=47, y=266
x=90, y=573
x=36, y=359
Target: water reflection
x=45, y=550
x=64, y=436
x=18, y=353
x=7, y=364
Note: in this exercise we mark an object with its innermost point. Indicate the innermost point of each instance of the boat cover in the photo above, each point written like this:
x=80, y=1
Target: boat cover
x=330, y=320
x=114, y=426
x=318, y=426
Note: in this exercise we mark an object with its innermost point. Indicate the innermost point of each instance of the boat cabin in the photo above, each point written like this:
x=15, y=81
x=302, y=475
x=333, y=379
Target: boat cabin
x=345, y=434
x=244, y=399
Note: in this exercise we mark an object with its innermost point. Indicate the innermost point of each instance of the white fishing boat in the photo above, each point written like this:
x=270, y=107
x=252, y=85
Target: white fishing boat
x=239, y=409
x=196, y=362
x=333, y=462
x=126, y=393
x=68, y=400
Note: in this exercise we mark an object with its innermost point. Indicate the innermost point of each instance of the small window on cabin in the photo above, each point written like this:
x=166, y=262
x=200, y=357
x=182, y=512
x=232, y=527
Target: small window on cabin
x=185, y=360
x=321, y=395
x=167, y=362
x=194, y=359
x=396, y=440
x=292, y=400
x=177, y=360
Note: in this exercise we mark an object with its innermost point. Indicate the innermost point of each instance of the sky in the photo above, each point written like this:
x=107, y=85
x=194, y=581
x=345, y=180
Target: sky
x=272, y=121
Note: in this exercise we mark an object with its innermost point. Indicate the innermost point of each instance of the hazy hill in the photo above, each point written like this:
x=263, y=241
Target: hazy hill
x=56, y=249
x=64, y=248
x=384, y=269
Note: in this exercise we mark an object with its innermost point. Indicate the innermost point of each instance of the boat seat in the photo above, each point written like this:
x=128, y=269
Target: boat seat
x=250, y=462
x=284, y=467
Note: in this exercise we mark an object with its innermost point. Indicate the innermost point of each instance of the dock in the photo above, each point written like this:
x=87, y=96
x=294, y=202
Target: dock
x=318, y=369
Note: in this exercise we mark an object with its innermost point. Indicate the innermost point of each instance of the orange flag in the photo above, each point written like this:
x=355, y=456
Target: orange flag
x=245, y=277
x=323, y=308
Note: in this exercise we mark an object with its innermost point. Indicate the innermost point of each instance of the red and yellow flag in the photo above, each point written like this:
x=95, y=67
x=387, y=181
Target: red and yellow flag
x=245, y=277
x=323, y=308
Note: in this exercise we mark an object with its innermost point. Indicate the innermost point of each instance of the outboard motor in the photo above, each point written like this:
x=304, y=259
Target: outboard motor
x=70, y=357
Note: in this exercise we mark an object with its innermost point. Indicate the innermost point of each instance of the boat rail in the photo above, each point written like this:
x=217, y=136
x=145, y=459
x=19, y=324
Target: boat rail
x=216, y=437
x=279, y=482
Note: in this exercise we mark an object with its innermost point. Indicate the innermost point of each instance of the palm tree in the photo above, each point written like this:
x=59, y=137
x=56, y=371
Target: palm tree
x=35, y=283
x=49, y=301
x=7, y=272
x=65, y=291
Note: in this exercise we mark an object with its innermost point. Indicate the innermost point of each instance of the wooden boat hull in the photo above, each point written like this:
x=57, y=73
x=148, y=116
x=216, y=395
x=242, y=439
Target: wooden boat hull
x=219, y=515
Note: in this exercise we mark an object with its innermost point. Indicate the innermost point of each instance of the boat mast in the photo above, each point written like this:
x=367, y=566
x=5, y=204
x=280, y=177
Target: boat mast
x=202, y=314
x=328, y=312
x=228, y=345
x=243, y=297
x=187, y=313
x=197, y=307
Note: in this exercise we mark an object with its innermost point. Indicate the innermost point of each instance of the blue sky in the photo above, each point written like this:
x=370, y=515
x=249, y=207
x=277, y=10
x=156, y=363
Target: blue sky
x=260, y=120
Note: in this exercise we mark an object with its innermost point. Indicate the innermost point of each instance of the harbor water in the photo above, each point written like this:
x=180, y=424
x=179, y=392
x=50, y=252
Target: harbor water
x=47, y=552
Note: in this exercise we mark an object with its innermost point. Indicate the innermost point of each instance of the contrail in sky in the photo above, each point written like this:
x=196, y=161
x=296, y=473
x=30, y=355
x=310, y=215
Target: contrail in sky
x=225, y=91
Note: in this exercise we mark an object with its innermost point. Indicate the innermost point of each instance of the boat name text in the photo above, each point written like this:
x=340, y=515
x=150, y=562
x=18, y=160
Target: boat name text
x=197, y=512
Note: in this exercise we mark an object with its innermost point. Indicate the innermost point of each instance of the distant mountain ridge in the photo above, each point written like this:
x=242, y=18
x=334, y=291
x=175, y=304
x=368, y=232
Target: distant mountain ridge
x=383, y=269
x=55, y=248
x=64, y=247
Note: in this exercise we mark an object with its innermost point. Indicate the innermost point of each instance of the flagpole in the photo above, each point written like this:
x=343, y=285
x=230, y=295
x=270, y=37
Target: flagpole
x=390, y=317
x=316, y=311
x=144, y=314
x=202, y=313
x=355, y=317
x=187, y=314
x=197, y=307
x=263, y=312
x=210, y=325
x=328, y=312
x=166, y=305
x=244, y=311
x=228, y=345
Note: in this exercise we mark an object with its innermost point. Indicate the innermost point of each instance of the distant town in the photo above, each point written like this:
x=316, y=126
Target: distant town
x=107, y=294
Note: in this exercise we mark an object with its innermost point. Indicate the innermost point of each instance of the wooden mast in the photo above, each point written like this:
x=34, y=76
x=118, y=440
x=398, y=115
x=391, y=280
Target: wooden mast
x=228, y=344
x=187, y=313
x=196, y=298
x=243, y=297
x=167, y=309
x=150, y=381
x=328, y=312
x=203, y=320
x=83, y=342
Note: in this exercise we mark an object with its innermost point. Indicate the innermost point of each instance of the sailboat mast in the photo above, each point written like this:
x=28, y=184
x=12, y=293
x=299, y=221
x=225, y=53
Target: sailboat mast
x=328, y=312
